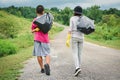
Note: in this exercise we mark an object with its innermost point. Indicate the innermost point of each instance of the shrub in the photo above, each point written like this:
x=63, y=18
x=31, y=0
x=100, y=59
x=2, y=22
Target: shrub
x=24, y=41
x=6, y=48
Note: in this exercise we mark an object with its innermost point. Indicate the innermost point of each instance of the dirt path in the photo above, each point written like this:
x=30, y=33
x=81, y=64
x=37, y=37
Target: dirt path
x=98, y=63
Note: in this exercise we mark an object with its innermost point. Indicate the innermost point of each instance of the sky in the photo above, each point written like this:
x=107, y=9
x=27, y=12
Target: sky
x=104, y=4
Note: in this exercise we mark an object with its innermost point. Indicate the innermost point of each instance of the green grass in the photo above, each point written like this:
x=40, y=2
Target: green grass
x=18, y=27
x=11, y=25
x=106, y=35
x=10, y=65
x=108, y=43
x=6, y=48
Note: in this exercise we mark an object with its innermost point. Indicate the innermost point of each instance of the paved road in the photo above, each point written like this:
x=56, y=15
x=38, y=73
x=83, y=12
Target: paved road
x=98, y=63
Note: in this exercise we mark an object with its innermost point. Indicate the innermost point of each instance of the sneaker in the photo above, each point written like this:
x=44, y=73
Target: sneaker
x=77, y=71
x=42, y=70
x=47, y=69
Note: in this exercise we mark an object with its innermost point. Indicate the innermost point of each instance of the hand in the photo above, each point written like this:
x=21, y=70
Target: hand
x=35, y=30
x=68, y=43
x=68, y=40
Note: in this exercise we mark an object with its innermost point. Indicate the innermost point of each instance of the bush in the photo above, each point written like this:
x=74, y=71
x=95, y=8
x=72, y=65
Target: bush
x=24, y=41
x=6, y=48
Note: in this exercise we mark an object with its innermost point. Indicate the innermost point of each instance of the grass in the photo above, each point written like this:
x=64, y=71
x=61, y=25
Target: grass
x=10, y=65
x=105, y=35
x=12, y=25
x=108, y=43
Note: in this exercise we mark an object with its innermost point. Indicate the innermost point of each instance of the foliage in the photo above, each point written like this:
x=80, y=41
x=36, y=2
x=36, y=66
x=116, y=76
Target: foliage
x=6, y=48
x=10, y=65
x=24, y=41
x=112, y=11
x=27, y=12
x=16, y=37
x=94, y=13
x=105, y=32
x=54, y=9
x=62, y=15
x=8, y=26
x=108, y=31
x=111, y=27
x=111, y=20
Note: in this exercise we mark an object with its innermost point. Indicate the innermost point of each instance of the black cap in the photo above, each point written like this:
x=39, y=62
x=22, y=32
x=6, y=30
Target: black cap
x=78, y=10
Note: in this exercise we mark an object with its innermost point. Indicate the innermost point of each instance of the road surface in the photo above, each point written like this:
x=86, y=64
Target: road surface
x=98, y=63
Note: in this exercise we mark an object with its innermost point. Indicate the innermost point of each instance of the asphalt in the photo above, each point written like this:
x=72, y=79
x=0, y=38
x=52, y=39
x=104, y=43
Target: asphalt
x=98, y=63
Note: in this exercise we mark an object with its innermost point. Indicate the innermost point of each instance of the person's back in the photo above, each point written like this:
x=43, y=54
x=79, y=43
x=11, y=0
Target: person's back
x=39, y=35
x=73, y=28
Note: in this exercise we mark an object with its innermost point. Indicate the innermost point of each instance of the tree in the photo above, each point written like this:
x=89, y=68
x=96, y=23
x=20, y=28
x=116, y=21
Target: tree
x=66, y=14
x=112, y=11
x=94, y=13
x=54, y=9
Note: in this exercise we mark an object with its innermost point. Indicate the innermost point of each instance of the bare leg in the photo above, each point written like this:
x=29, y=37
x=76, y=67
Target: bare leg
x=47, y=67
x=40, y=61
x=48, y=59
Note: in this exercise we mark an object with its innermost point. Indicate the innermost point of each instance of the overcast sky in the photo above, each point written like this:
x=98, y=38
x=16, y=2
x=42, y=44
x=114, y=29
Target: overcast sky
x=104, y=4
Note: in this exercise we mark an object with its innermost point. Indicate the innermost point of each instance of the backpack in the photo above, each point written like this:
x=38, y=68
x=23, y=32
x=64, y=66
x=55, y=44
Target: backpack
x=44, y=22
x=85, y=25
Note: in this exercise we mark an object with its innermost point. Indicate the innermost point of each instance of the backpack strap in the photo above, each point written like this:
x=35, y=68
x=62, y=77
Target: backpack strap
x=48, y=15
x=80, y=18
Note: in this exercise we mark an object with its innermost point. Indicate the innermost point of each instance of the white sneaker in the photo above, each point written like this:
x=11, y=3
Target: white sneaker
x=77, y=71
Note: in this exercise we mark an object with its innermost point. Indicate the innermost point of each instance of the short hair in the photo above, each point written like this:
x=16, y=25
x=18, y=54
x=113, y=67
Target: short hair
x=39, y=9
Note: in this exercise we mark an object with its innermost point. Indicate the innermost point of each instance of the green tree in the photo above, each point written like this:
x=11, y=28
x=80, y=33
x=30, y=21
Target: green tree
x=94, y=13
x=66, y=14
x=111, y=20
x=112, y=11
x=54, y=9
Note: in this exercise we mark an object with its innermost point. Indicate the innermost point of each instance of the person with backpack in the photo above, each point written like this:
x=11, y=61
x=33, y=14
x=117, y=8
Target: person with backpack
x=77, y=39
x=41, y=43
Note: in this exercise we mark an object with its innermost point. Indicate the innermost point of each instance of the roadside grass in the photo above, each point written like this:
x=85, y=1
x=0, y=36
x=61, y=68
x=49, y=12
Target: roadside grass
x=10, y=65
x=105, y=35
x=107, y=43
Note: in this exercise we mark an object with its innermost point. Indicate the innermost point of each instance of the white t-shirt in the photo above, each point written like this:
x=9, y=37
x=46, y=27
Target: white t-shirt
x=73, y=28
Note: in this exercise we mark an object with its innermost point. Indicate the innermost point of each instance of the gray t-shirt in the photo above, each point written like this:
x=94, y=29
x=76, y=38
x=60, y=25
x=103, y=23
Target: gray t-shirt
x=73, y=28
